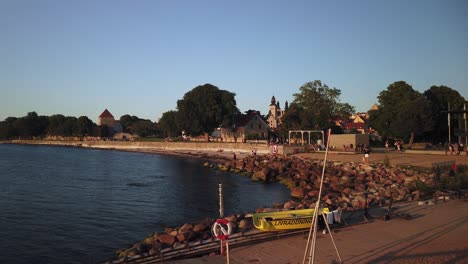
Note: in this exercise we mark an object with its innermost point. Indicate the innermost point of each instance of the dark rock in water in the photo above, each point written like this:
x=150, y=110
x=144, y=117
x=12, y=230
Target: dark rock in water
x=260, y=175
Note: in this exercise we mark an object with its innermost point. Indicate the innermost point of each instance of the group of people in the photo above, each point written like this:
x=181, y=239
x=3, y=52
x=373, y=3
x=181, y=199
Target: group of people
x=398, y=145
x=455, y=148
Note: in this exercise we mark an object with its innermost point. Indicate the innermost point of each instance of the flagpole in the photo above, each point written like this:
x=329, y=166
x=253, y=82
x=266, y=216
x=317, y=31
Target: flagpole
x=448, y=117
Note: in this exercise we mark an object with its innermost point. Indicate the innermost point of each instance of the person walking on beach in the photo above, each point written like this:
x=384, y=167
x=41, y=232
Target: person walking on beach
x=366, y=154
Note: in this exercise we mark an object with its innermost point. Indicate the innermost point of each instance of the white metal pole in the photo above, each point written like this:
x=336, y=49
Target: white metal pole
x=227, y=252
x=448, y=117
x=221, y=209
x=466, y=127
x=316, y=210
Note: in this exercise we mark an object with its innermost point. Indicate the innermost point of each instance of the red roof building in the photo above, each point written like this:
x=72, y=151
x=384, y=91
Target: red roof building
x=106, y=119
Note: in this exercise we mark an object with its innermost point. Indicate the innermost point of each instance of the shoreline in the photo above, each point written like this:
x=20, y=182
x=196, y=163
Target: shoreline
x=212, y=154
x=222, y=152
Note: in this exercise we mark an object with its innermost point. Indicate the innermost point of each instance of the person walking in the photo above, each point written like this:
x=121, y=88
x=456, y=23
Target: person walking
x=386, y=145
x=366, y=154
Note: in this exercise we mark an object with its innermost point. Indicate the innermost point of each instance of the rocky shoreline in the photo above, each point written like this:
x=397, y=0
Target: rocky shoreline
x=347, y=185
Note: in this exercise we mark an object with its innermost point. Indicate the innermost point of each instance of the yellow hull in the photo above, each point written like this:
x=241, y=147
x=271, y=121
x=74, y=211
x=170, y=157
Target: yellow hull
x=285, y=220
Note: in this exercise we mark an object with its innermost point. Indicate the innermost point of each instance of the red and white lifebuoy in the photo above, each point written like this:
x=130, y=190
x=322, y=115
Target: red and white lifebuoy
x=221, y=229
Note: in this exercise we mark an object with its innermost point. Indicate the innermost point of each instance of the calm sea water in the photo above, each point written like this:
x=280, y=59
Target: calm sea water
x=70, y=205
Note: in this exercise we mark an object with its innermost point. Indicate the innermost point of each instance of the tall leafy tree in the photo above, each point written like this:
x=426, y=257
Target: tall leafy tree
x=144, y=128
x=84, y=126
x=319, y=104
x=414, y=119
x=127, y=122
x=7, y=128
x=403, y=112
x=205, y=108
x=168, y=124
x=55, y=127
x=291, y=120
x=440, y=98
x=31, y=125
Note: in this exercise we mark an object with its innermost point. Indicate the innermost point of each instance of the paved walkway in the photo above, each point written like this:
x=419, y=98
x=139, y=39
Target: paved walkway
x=419, y=159
x=435, y=234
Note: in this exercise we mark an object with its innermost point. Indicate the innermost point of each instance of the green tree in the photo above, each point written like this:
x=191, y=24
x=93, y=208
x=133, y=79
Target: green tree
x=144, y=128
x=319, y=104
x=440, y=97
x=84, y=126
x=31, y=125
x=7, y=128
x=291, y=120
x=127, y=121
x=168, y=124
x=55, y=127
x=414, y=119
x=403, y=112
x=205, y=108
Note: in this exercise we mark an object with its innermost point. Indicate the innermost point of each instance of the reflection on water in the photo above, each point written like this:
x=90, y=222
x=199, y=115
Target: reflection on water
x=79, y=205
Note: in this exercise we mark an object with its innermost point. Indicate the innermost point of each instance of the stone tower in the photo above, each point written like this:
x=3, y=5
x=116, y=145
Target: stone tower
x=275, y=114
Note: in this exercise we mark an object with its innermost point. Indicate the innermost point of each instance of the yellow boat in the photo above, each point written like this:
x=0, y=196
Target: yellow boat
x=285, y=220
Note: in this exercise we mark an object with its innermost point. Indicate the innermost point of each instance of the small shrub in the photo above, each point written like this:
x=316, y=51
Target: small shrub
x=424, y=188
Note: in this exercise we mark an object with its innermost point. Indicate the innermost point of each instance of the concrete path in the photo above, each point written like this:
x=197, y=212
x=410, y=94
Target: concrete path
x=409, y=158
x=435, y=234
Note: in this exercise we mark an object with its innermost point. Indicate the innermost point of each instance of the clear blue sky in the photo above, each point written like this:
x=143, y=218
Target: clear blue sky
x=139, y=57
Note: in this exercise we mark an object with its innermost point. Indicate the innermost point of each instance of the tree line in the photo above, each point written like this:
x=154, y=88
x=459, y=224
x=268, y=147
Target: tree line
x=410, y=115
x=403, y=113
x=38, y=126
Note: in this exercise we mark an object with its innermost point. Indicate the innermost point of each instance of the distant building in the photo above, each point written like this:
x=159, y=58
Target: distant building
x=276, y=113
x=374, y=107
x=248, y=126
x=106, y=119
x=357, y=122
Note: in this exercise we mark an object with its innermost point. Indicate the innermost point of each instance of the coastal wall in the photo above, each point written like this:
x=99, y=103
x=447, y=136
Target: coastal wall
x=156, y=146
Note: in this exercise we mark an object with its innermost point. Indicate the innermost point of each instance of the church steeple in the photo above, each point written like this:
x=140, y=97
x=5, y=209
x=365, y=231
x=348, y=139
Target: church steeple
x=273, y=100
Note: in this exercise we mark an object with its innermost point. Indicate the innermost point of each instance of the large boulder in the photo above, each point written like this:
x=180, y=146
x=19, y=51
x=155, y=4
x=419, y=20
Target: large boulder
x=244, y=224
x=185, y=228
x=199, y=227
x=298, y=192
x=166, y=240
x=261, y=175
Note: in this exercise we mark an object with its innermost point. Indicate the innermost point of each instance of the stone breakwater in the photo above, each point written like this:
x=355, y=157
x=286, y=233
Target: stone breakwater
x=347, y=185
